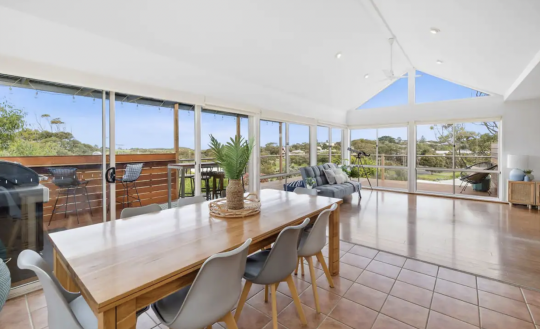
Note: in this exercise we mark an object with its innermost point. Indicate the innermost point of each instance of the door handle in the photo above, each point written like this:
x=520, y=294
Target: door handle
x=110, y=175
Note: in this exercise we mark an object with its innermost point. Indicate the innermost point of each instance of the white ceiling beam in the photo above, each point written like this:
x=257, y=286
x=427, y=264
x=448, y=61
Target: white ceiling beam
x=528, y=79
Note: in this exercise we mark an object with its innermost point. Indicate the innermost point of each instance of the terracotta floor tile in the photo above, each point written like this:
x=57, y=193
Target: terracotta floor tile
x=500, y=289
x=412, y=293
x=384, y=269
x=421, y=267
x=504, y=305
x=363, y=251
x=355, y=260
x=495, y=320
x=390, y=259
x=441, y=321
x=318, y=265
x=456, y=308
x=384, y=322
x=376, y=281
x=270, y=326
x=456, y=290
x=258, y=302
x=341, y=285
x=457, y=277
x=349, y=272
x=366, y=296
x=251, y=319
x=15, y=314
x=535, y=311
x=532, y=297
x=404, y=311
x=327, y=300
x=345, y=246
x=300, y=284
x=417, y=279
x=325, y=252
x=143, y=322
x=36, y=300
x=354, y=315
x=40, y=318
x=330, y=323
x=255, y=288
x=290, y=319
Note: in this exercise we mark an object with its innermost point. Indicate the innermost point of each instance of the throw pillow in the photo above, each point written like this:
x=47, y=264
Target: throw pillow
x=330, y=176
x=339, y=172
x=340, y=179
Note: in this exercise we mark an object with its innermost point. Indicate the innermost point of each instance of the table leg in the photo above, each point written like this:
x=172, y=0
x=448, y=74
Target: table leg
x=124, y=316
x=169, y=187
x=333, y=244
x=62, y=274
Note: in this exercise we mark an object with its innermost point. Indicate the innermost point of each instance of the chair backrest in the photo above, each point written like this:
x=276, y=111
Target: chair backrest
x=64, y=176
x=132, y=173
x=60, y=314
x=316, y=239
x=283, y=257
x=303, y=190
x=136, y=211
x=215, y=290
x=191, y=200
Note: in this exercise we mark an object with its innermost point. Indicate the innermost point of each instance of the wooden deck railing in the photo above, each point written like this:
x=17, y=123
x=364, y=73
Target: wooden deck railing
x=151, y=185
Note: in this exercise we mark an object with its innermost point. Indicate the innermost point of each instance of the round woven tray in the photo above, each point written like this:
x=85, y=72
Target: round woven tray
x=252, y=206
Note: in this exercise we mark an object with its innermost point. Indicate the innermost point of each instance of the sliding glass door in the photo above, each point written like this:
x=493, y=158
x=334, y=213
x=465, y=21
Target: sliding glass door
x=458, y=158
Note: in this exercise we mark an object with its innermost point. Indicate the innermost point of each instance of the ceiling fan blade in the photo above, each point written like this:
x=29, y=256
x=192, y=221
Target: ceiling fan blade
x=389, y=74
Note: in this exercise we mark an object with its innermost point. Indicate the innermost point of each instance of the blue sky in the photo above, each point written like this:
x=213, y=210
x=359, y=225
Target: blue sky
x=143, y=126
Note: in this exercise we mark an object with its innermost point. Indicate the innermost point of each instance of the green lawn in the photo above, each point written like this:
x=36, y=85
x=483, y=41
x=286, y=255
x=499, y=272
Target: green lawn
x=436, y=176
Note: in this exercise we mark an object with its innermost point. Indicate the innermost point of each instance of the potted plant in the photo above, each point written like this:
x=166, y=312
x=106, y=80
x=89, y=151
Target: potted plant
x=310, y=182
x=233, y=157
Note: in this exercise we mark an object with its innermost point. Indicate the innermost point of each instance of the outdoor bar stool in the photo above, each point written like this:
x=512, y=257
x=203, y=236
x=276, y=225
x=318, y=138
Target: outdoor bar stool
x=273, y=266
x=129, y=181
x=212, y=295
x=206, y=175
x=65, y=309
x=312, y=242
x=65, y=178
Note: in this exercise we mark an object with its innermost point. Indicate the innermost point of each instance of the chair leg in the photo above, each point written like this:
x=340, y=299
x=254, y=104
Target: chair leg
x=302, y=266
x=296, y=299
x=76, y=207
x=67, y=201
x=313, y=283
x=137, y=191
x=242, y=300
x=88, y=200
x=266, y=293
x=54, y=209
x=274, y=307
x=297, y=265
x=230, y=321
x=321, y=260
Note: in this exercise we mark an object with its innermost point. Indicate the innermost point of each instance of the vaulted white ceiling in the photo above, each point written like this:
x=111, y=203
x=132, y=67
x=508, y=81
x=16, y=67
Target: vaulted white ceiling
x=280, y=54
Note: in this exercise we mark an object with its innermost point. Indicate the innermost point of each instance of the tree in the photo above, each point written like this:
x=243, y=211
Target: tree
x=11, y=121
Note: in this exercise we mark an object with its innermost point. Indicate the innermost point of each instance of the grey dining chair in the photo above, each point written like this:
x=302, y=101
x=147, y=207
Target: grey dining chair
x=303, y=190
x=312, y=242
x=130, y=212
x=273, y=266
x=191, y=200
x=212, y=295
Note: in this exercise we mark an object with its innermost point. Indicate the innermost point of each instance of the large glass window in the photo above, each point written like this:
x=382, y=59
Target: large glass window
x=272, y=148
x=381, y=156
x=335, y=149
x=298, y=146
x=458, y=158
x=323, y=145
x=432, y=89
x=393, y=95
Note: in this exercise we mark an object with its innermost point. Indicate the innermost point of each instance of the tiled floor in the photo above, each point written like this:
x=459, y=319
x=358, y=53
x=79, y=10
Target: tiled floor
x=375, y=290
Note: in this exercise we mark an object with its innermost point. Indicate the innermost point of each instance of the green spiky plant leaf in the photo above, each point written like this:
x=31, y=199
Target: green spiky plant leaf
x=233, y=157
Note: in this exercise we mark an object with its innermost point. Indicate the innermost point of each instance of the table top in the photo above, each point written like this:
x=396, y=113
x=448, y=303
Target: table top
x=189, y=164
x=110, y=261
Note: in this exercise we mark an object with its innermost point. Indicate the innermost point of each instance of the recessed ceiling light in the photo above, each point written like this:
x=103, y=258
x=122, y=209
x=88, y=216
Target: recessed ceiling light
x=338, y=55
x=366, y=76
x=434, y=30
x=438, y=61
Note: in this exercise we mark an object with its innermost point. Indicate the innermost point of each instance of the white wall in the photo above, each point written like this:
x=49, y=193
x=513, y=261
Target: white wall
x=520, y=131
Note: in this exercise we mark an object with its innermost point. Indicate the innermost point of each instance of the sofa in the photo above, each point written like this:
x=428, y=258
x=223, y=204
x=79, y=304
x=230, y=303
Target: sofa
x=329, y=190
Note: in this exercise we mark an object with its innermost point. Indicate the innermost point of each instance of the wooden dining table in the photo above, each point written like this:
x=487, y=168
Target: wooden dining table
x=124, y=265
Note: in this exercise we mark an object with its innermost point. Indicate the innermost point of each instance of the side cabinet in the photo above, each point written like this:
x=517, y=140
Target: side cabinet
x=523, y=193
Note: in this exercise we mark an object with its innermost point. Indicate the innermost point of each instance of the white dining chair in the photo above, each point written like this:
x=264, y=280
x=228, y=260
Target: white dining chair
x=303, y=190
x=191, y=200
x=136, y=211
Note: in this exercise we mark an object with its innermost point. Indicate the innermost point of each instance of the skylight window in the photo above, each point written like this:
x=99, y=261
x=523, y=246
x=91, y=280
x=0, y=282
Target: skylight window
x=433, y=89
x=393, y=95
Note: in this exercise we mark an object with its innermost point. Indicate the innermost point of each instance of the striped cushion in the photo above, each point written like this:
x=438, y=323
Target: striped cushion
x=292, y=185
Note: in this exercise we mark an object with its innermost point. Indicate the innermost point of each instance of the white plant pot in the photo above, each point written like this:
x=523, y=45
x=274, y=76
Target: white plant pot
x=309, y=187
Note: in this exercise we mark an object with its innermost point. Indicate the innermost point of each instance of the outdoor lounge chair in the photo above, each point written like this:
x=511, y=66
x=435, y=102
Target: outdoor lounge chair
x=477, y=177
